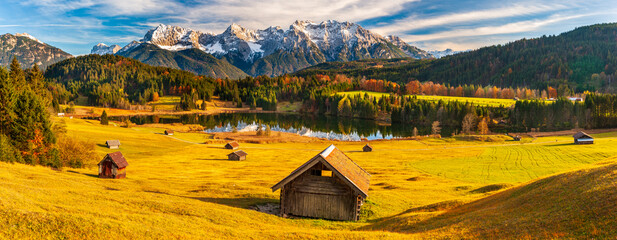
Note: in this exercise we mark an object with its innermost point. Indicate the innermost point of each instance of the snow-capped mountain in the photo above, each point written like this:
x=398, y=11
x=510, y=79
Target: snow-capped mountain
x=447, y=52
x=28, y=36
x=28, y=51
x=102, y=49
x=274, y=50
x=411, y=51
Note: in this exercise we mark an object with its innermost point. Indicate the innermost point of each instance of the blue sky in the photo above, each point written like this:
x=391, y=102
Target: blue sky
x=76, y=25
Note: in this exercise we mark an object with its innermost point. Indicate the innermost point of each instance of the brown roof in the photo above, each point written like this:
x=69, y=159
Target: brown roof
x=580, y=135
x=169, y=131
x=240, y=153
x=234, y=144
x=367, y=145
x=113, y=142
x=118, y=159
x=335, y=159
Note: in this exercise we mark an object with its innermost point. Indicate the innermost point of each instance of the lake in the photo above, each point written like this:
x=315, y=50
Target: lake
x=328, y=127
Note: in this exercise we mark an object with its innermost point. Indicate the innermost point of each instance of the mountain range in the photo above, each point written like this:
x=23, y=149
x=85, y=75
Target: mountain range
x=271, y=51
x=28, y=51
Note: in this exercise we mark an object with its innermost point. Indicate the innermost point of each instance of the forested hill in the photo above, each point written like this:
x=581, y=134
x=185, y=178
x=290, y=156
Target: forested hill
x=193, y=60
x=583, y=58
x=116, y=81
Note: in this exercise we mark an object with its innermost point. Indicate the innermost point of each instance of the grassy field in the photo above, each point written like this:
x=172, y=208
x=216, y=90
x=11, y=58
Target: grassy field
x=177, y=188
x=496, y=102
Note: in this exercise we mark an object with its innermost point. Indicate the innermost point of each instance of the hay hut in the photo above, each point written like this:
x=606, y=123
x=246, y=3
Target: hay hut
x=367, y=148
x=113, y=144
x=169, y=132
x=329, y=186
x=232, y=145
x=582, y=138
x=237, y=155
x=113, y=165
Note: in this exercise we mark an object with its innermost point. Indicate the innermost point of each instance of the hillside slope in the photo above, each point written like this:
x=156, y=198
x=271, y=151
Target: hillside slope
x=583, y=59
x=579, y=204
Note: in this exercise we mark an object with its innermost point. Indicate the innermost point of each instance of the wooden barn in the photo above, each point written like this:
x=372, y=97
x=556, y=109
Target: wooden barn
x=582, y=138
x=169, y=132
x=329, y=186
x=113, y=165
x=113, y=144
x=367, y=148
x=237, y=155
x=232, y=145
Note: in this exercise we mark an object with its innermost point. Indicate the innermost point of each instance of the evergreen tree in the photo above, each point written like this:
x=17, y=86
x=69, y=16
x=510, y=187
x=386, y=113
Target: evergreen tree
x=104, y=120
x=7, y=101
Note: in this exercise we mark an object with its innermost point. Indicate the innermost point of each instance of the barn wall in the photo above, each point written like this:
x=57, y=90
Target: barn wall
x=318, y=197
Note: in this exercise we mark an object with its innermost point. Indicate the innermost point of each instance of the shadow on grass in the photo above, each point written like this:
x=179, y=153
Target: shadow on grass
x=87, y=174
x=216, y=159
x=246, y=202
x=102, y=145
x=560, y=145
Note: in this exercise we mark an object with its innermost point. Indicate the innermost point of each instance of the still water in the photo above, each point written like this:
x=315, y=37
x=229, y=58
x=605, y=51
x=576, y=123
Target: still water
x=328, y=127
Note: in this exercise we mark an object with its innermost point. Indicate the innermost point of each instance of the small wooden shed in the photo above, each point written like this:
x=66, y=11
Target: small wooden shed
x=237, y=155
x=169, y=132
x=367, y=148
x=113, y=144
x=232, y=145
x=113, y=165
x=329, y=186
x=582, y=138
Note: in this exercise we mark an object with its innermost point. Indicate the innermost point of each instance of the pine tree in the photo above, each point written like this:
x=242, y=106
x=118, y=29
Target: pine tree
x=104, y=120
x=7, y=102
x=17, y=74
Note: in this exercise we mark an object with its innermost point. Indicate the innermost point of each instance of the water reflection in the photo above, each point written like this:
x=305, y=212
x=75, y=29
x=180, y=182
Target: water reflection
x=328, y=127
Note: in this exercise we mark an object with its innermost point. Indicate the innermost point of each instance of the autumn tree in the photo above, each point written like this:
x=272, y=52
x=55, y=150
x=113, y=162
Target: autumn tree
x=468, y=123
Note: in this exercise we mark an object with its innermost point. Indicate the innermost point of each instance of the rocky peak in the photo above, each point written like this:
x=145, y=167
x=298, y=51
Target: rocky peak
x=102, y=49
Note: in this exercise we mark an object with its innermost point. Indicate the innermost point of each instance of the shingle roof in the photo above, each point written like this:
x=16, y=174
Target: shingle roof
x=334, y=158
x=234, y=144
x=240, y=153
x=581, y=135
x=118, y=159
x=113, y=142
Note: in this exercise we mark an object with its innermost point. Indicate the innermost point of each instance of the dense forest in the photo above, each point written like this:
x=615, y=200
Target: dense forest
x=115, y=81
x=582, y=60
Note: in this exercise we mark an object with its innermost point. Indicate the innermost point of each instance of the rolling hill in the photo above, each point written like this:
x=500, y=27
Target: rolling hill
x=573, y=205
x=582, y=59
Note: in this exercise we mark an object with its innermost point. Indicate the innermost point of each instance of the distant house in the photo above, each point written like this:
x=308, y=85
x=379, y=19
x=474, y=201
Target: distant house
x=575, y=99
x=60, y=114
x=582, y=138
x=367, y=148
x=232, y=145
x=169, y=132
x=516, y=138
x=113, y=144
x=113, y=165
x=237, y=155
x=329, y=186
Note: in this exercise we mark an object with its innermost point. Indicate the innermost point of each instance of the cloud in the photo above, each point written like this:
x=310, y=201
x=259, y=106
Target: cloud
x=416, y=22
x=515, y=27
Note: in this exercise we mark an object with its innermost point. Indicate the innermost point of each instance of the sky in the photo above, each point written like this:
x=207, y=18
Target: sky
x=77, y=25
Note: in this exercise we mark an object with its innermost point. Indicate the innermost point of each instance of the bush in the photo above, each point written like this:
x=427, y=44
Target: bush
x=74, y=153
x=104, y=119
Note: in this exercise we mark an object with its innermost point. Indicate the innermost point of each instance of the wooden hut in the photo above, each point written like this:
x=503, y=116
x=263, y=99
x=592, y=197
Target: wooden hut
x=367, y=148
x=237, y=155
x=232, y=145
x=582, y=138
x=113, y=165
x=329, y=186
x=113, y=144
x=169, y=132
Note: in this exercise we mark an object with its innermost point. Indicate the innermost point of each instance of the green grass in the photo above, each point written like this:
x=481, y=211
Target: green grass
x=177, y=189
x=167, y=103
x=495, y=102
